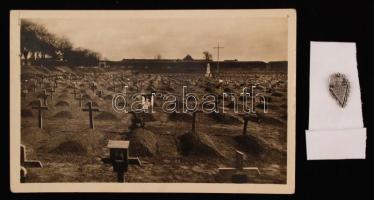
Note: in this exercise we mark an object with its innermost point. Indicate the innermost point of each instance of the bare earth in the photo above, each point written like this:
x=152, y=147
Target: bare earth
x=71, y=152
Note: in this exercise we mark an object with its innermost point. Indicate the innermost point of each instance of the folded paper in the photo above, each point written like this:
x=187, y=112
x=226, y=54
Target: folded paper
x=335, y=132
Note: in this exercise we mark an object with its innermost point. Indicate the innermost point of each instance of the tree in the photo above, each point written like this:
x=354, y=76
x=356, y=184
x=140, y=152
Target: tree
x=37, y=43
x=63, y=46
x=207, y=56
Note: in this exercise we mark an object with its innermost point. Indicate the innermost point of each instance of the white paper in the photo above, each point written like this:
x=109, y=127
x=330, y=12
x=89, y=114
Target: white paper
x=331, y=126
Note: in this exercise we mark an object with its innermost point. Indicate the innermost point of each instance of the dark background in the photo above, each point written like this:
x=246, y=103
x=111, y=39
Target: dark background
x=316, y=21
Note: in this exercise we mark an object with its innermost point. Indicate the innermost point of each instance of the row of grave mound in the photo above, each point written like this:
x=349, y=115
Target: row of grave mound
x=144, y=142
x=88, y=143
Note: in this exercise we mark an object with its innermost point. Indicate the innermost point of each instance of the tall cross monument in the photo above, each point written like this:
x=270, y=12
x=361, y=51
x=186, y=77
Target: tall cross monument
x=218, y=48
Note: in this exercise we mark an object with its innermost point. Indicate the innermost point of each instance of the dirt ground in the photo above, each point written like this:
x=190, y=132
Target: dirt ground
x=71, y=152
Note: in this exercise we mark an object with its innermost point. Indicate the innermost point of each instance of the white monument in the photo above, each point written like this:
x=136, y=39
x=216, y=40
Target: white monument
x=208, y=74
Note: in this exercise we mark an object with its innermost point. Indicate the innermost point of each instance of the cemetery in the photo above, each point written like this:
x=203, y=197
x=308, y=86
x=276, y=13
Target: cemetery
x=85, y=119
x=69, y=128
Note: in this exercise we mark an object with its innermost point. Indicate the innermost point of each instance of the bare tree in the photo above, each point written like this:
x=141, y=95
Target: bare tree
x=207, y=56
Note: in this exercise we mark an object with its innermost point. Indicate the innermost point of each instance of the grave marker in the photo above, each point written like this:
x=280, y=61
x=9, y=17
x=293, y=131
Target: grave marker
x=239, y=175
x=75, y=93
x=24, y=93
x=80, y=99
x=51, y=91
x=193, y=128
x=246, y=119
x=40, y=108
x=136, y=122
x=27, y=164
x=90, y=110
x=119, y=158
x=100, y=93
x=34, y=87
x=45, y=97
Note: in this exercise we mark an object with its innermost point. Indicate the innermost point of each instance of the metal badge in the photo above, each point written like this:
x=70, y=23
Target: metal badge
x=339, y=88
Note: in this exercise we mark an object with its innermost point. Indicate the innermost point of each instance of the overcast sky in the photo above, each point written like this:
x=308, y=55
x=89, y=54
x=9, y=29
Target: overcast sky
x=244, y=38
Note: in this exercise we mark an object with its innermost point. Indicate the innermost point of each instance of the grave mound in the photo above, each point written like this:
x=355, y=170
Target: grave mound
x=251, y=144
x=34, y=103
x=111, y=88
x=63, y=114
x=63, y=96
x=283, y=106
x=70, y=147
x=230, y=105
x=143, y=143
x=224, y=118
x=267, y=106
x=146, y=117
x=26, y=113
x=33, y=136
x=180, y=117
x=62, y=104
x=198, y=144
x=167, y=88
x=65, y=91
x=86, y=96
x=40, y=96
x=104, y=115
x=108, y=97
x=276, y=94
x=272, y=120
x=259, y=149
x=228, y=90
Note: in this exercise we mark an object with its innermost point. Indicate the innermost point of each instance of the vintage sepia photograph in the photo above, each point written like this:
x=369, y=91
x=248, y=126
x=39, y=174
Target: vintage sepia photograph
x=153, y=101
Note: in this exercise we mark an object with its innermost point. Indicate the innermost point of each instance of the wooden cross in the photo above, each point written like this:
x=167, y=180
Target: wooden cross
x=100, y=93
x=24, y=92
x=136, y=122
x=80, y=99
x=51, y=91
x=45, y=97
x=218, y=48
x=75, y=93
x=54, y=86
x=34, y=87
x=246, y=119
x=41, y=83
x=123, y=85
x=193, y=128
x=90, y=110
x=119, y=158
x=239, y=175
x=40, y=108
x=114, y=86
x=27, y=164
x=93, y=87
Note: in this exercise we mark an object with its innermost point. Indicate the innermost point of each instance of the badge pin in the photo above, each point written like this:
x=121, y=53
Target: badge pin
x=339, y=87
